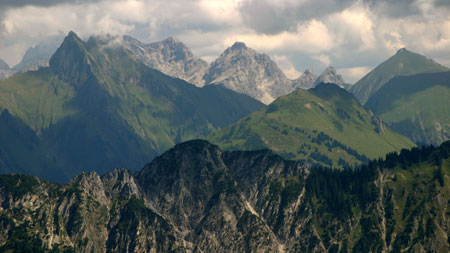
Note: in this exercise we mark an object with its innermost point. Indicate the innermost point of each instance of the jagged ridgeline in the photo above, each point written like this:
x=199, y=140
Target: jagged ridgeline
x=324, y=125
x=198, y=198
x=98, y=107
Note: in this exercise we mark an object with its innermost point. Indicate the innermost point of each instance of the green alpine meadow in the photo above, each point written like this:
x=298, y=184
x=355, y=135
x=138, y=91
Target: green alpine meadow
x=324, y=125
x=403, y=63
x=417, y=106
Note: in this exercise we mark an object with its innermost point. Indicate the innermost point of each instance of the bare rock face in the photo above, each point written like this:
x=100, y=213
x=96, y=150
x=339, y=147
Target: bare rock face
x=246, y=71
x=171, y=57
x=329, y=75
x=198, y=198
x=306, y=81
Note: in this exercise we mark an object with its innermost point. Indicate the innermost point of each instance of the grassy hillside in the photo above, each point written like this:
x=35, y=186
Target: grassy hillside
x=323, y=125
x=417, y=106
x=403, y=63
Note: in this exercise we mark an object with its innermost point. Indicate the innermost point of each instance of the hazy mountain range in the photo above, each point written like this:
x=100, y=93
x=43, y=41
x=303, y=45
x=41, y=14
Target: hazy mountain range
x=97, y=100
x=239, y=68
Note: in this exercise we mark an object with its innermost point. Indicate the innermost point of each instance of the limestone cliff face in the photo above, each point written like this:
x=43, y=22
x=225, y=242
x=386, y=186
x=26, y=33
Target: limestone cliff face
x=246, y=71
x=330, y=75
x=198, y=198
x=171, y=57
x=306, y=81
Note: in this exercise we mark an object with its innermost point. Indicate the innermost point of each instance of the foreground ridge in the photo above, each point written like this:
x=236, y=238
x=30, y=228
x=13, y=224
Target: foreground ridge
x=198, y=198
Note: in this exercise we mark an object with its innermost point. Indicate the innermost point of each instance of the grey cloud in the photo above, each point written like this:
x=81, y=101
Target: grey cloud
x=270, y=17
x=5, y=4
x=273, y=17
x=442, y=3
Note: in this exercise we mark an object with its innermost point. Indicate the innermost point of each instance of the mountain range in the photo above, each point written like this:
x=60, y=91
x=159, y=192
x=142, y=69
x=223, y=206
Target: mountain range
x=323, y=125
x=238, y=68
x=171, y=57
x=154, y=119
x=98, y=100
x=305, y=165
x=198, y=198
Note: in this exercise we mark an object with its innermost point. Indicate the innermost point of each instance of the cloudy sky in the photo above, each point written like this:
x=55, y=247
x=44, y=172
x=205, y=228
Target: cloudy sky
x=352, y=35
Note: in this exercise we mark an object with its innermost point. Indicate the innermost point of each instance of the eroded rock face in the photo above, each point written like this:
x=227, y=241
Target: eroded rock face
x=171, y=57
x=246, y=71
x=198, y=198
x=329, y=75
x=306, y=81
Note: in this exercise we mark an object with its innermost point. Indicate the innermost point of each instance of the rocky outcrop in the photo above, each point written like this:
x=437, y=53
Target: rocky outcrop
x=306, y=81
x=171, y=57
x=329, y=75
x=198, y=198
x=246, y=71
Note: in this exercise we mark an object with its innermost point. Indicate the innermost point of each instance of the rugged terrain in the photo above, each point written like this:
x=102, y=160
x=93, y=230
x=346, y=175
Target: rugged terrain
x=98, y=107
x=246, y=71
x=306, y=81
x=171, y=57
x=330, y=75
x=198, y=198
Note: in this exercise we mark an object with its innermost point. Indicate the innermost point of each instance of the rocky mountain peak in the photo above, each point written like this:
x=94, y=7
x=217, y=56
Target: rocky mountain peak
x=4, y=65
x=308, y=71
x=173, y=48
x=306, y=81
x=238, y=46
x=170, y=56
x=329, y=75
x=246, y=71
x=173, y=41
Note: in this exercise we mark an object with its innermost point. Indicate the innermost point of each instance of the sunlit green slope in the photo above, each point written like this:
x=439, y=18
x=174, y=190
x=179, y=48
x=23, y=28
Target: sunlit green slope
x=324, y=124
